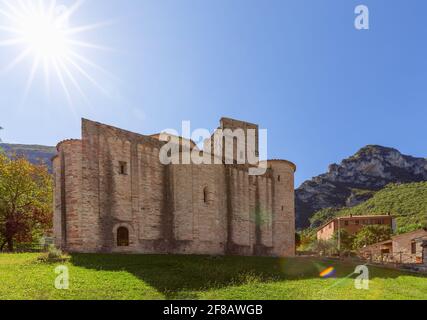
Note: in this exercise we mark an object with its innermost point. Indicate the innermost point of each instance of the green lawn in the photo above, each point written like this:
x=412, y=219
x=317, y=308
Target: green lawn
x=197, y=277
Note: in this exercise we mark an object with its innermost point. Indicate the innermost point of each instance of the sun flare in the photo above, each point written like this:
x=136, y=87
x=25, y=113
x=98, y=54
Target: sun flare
x=42, y=31
x=44, y=34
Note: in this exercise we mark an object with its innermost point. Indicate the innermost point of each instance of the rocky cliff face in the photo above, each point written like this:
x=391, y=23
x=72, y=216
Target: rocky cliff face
x=349, y=183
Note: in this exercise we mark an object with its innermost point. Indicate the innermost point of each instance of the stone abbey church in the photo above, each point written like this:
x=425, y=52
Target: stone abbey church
x=114, y=195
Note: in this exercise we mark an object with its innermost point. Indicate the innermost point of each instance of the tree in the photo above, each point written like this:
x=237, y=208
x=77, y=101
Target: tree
x=345, y=240
x=371, y=234
x=25, y=200
x=306, y=238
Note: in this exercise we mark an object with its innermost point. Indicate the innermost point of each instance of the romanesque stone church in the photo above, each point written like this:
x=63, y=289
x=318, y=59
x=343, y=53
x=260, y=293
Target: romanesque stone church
x=114, y=195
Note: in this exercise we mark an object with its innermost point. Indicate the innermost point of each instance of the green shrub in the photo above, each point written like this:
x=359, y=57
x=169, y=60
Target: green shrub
x=325, y=248
x=52, y=255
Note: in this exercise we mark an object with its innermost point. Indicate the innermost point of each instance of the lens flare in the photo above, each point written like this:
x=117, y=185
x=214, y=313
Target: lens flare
x=328, y=273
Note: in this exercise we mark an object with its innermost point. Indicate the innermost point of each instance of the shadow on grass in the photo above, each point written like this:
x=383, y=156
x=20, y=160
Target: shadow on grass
x=177, y=277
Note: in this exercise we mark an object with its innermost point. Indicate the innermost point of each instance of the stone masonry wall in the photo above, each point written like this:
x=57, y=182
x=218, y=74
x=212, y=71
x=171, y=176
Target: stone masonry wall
x=402, y=245
x=67, y=218
x=198, y=206
x=284, y=208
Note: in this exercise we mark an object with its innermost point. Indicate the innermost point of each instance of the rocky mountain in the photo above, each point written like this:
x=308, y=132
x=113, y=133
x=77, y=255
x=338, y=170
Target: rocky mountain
x=34, y=153
x=352, y=182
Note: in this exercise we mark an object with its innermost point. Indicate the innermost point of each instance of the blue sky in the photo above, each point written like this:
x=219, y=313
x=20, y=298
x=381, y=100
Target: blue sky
x=298, y=68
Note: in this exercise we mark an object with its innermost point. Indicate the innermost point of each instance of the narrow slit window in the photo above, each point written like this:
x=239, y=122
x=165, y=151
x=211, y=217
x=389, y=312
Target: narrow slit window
x=123, y=168
x=205, y=195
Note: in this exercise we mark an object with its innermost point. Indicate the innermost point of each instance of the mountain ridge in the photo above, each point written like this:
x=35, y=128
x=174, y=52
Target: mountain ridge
x=33, y=152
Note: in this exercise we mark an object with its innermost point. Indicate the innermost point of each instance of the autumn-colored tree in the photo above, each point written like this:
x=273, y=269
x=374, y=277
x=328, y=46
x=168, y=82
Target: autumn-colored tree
x=25, y=200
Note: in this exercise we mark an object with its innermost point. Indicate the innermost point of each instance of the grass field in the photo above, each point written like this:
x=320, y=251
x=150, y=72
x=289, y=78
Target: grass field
x=118, y=277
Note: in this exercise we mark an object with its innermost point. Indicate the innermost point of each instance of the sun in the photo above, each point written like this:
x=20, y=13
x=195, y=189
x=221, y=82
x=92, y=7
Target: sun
x=45, y=34
x=42, y=29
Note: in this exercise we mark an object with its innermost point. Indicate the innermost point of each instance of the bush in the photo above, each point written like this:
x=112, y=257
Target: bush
x=325, y=248
x=52, y=255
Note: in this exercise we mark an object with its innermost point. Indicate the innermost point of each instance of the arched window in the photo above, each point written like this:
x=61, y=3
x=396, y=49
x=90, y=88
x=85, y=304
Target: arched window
x=122, y=237
x=279, y=178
